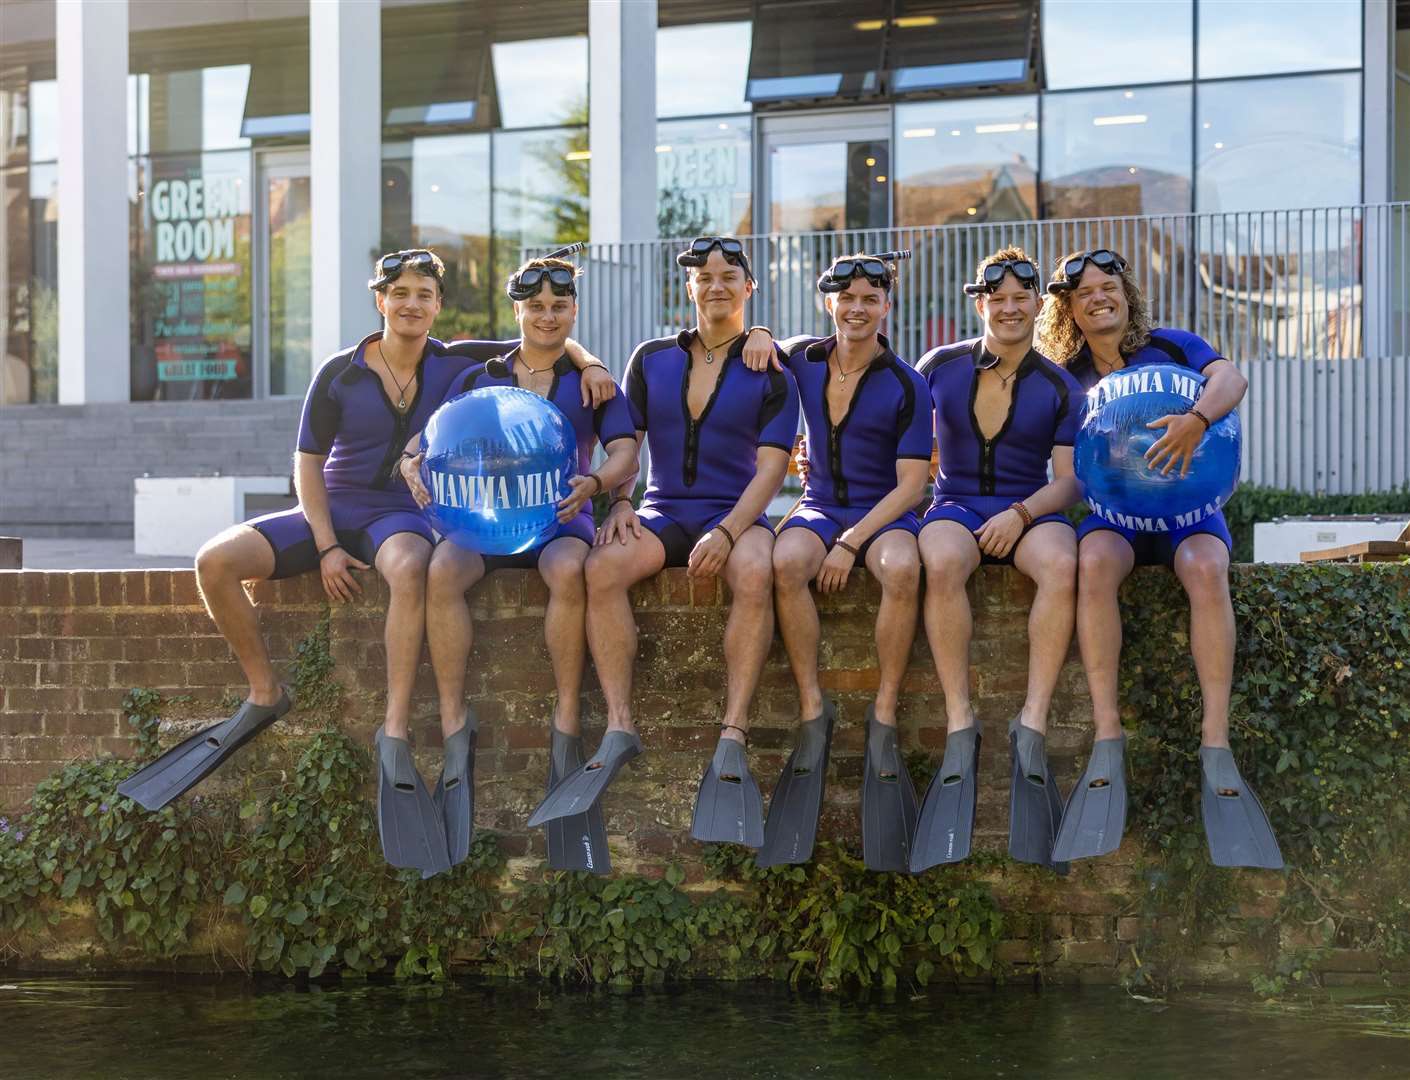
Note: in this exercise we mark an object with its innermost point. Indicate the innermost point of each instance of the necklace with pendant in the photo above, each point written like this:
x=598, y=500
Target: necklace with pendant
x=401, y=390
x=842, y=373
x=710, y=349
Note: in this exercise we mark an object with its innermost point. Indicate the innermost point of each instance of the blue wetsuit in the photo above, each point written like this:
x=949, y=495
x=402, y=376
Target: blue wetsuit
x=700, y=467
x=607, y=423
x=348, y=417
x=980, y=477
x=1165, y=347
x=852, y=463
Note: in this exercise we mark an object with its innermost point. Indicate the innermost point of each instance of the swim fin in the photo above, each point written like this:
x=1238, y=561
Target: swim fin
x=946, y=826
x=408, y=819
x=581, y=788
x=189, y=762
x=728, y=806
x=791, y=829
x=455, y=790
x=1235, y=825
x=888, y=801
x=1035, y=804
x=577, y=842
x=1095, y=817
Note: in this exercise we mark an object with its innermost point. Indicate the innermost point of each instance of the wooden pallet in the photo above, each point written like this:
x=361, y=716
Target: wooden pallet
x=1368, y=551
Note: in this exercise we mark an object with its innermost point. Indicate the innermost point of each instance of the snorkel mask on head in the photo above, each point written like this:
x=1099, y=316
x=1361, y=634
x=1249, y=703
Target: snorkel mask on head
x=527, y=282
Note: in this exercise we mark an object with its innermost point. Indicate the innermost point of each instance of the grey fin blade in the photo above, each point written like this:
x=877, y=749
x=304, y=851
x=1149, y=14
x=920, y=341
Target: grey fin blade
x=888, y=801
x=581, y=788
x=1035, y=804
x=945, y=828
x=455, y=790
x=579, y=841
x=408, y=820
x=1095, y=818
x=1235, y=825
x=189, y=762
x=728, y=806
x=791, y=829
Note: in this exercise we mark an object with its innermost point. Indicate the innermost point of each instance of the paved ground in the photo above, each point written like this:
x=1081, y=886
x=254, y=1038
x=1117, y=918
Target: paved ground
x=93, y=554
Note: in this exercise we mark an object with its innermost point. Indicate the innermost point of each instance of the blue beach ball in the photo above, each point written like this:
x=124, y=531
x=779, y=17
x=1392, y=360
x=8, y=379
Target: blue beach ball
x=1109, y=455
x=498, y=460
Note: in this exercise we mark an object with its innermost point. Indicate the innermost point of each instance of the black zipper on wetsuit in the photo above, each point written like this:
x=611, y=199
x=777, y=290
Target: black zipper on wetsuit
x=834, y=432
x=690, y=459
x=401, y=424
x=987, y=466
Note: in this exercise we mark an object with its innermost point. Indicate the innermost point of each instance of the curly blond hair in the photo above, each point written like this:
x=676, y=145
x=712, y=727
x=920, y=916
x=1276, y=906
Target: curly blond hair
x=1059, y=338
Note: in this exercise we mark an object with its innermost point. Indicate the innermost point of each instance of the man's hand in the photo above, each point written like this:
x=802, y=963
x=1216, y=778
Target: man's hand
x=832, y=577
x=621, y=520
x=410, y=469
x=338, y=582
x=597, y=386
x=709, y=555
x=1183, y=432
x=998, y=535
x=583, y=489
x=800, y=459
x=759, y=351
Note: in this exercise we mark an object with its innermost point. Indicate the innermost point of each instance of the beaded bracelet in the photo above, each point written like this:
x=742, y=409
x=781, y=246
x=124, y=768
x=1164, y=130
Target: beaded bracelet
x=1023, y=513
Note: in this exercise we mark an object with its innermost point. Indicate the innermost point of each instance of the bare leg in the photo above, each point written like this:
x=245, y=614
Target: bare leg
x=611, y=571
x=797, y=557
x=1048, y=555
x=450, y=632
x=749, y=573
x=894, y=560
x=223, y=564
x=561, y=565
x=950, y=554
x=1104, y=561
x=402, y=561
x=1202, y=565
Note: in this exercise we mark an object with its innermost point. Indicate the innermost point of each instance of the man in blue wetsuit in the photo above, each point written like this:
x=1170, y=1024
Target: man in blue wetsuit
x=1003, y=412
x=869, y=430
x=719, y=436
x=354, y=513
x=1096, y=322
x=544, y=293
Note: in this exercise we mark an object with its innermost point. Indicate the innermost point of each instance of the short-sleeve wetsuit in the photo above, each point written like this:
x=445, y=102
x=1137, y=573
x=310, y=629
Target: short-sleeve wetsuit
x=981, y=477
x=1165, y=347
x=348, y=417
x=852, y=463
x=701, y=466
x=607, y=423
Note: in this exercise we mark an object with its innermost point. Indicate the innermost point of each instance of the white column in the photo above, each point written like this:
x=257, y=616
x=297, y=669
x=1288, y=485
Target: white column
x=1377, y=155
x=95, y=341
x=622, y=119
x=345, y=167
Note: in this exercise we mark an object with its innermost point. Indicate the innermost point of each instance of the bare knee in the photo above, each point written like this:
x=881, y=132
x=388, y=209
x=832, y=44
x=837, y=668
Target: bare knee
x=752, y=575
x=1099, y=569
x=947, y=566
x=217, y=562
x=899, y=571
x=792, y=572
x=1059, y=571
x=606, y=571
x=405, y=571
x=1202, y=574
x=451, y=577
x=564, y=577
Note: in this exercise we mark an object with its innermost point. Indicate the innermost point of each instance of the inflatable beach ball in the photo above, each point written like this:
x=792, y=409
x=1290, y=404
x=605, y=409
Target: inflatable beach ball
x=1109, y=455
x=497, y=461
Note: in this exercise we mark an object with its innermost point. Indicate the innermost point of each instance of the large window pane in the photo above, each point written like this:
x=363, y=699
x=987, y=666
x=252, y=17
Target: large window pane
x=1110, y=42
x=191, y=278
x=724, y=47
x=1278, y=143
x=703, y=176
x=1250, y=37
x=971, y=160
x=436, y=194
x=540, y=83
x=44, y=120
x=1109, y=152
x=195, y=109
x=29, y=368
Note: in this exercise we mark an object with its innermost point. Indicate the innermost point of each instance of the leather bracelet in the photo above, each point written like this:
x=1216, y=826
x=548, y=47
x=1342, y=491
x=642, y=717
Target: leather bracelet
x=1194, y=410
x=594, y=476
x=728, y=535
x=845, y=547
x=330, y=547
x=1023, y=513
x=619, y=498
x=765, y=329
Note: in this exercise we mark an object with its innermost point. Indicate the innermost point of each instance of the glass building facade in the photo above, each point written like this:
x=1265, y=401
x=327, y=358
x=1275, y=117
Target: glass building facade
x=797, y=116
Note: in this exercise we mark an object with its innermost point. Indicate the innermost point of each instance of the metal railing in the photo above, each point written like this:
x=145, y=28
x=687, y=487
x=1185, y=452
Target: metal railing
x=1314, y=306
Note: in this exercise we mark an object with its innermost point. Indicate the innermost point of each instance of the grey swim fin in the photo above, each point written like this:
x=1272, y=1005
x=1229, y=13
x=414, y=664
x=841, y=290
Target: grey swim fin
x=189, y=762
x=728, y=806
x=408, y=819
x=1095, y=817
x=581, y=788
x=888, y=801
x=791, y=829
x=579, y=841
x=1235, y=824
x=946, y=826
x=455, y=790
x=1035, y=804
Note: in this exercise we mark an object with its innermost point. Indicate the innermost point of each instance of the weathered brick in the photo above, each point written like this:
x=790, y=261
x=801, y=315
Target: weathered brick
x=111, y=592
x=11, y=588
